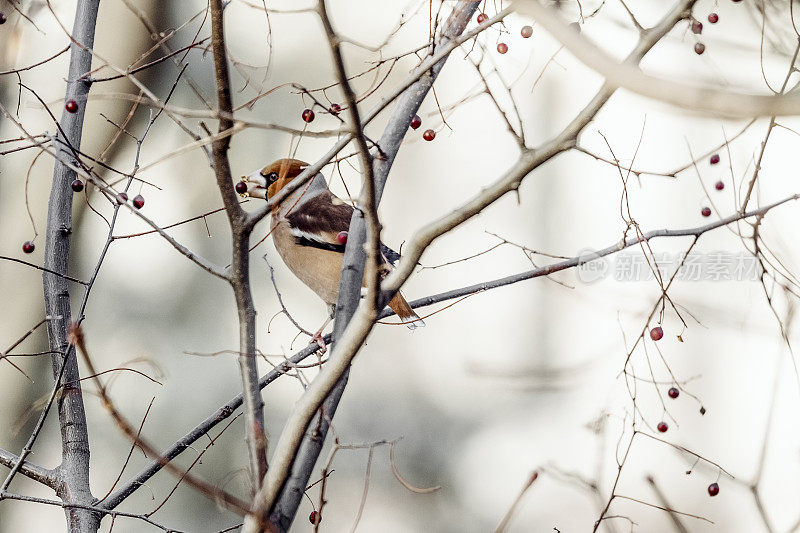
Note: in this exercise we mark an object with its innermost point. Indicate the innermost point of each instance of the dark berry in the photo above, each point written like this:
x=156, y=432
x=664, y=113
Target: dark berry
x=3, y=18
x=662, y=427
x=315, y=518
x=699, y=48
x=713, y=18
x=526, y=31
x=697, y=27
x=335, y=109
x=714, y=159
x=77, y=185
x=429, y=135
x=482, y=17
x=702, y=410
x=673, y=392
x=71, y=106
x=416, y=122
x=124, y=196
x=240, y=187
x=28, y=247
x=713, y=489
x=706, y=211
x=341, y=237
x=138, y=201
x=308, y=115
x=502, y=48
x=719, y=185
x=656, y=333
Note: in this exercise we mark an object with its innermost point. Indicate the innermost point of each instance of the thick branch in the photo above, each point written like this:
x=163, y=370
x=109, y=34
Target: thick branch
x=313, y=432
x=628, y=76
x=74, y=468
x=28, y=469
x=240, y=261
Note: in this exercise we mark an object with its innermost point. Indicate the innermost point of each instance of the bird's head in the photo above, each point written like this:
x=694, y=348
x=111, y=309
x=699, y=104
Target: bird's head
x=268, y=181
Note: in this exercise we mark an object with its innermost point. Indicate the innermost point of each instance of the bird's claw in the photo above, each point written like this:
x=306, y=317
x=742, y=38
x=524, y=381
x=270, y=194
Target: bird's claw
x=320, y=342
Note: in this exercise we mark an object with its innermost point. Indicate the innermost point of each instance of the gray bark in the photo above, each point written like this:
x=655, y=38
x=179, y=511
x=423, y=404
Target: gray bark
x=407, y=106
x=74, y=470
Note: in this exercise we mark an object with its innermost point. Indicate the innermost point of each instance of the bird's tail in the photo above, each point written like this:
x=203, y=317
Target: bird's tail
x=400, y=306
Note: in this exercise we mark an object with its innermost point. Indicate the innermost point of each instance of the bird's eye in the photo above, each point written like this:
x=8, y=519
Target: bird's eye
x=272, y=177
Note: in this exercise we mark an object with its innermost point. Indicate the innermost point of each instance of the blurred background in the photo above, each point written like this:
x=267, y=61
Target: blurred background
x=520, y=378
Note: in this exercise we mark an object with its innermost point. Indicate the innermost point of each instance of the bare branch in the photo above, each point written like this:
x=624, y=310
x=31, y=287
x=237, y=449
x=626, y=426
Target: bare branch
x=240, y=262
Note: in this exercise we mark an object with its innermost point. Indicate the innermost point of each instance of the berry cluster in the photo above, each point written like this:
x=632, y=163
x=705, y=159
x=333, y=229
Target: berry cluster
x=526, y=31
x=720, y=185
x=697, y=28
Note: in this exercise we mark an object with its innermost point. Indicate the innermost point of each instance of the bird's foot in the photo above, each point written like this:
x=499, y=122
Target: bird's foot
x=320, y=341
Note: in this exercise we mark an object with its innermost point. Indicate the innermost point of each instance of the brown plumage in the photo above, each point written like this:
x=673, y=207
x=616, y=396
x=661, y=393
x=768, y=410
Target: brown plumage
x=305, y=226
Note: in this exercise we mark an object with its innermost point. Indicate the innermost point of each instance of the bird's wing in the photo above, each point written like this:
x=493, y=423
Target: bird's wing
x=318, y=221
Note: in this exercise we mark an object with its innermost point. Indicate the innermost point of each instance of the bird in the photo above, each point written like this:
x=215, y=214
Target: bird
x=309, y=230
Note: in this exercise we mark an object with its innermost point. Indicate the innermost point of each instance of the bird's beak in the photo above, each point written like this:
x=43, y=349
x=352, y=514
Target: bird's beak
x=256, y=184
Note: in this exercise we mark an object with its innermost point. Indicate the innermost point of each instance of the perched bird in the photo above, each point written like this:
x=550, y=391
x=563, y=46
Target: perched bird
x=309, y=229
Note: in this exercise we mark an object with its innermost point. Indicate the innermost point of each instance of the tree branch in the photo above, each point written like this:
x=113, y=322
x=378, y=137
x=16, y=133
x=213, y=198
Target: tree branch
x=305, y=439
x=423, y=74
x=629, y=76
x=74, y=470
x=240, y=261
x=28, y=469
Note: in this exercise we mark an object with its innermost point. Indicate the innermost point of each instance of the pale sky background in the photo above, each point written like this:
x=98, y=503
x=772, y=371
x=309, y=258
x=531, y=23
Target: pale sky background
x=502, y=383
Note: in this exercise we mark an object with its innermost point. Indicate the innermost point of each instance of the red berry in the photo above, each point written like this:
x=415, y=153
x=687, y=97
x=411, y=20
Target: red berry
x=719, y=185
x=3, y=18
x=335, y=109
x=124, y=196
x=713, y=18
x=416, y=122
x=138, y=201
x=341, y=237
x=656, y=333
x=502, y=48
x=77, y=185
x=308, y=115
x=713, y=489
x=706, y=212
x=71, y=106
x=662, y=427
x=526, y=31
x=673, y=392
x=429, y=135
x=482, y=18
x=315, y=518
x=714, y=159
x=28, y=247
x=699, y=48
x=240, y=187
x=697, y=27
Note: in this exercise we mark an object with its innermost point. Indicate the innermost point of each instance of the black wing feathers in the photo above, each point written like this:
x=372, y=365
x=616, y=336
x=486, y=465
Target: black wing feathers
x=318, y=221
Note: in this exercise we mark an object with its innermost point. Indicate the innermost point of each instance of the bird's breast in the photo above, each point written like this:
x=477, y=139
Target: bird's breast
x=318, y=269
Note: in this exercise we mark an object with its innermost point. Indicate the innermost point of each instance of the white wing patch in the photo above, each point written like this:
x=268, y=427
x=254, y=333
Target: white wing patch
x=305, y=234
